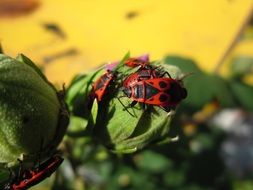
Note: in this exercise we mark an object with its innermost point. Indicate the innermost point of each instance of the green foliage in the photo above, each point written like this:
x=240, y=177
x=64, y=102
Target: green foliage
x=243, y=94
x=241, y=66
x=202, y=88
x=243, y=184
x=153, y=162
x=186, y=65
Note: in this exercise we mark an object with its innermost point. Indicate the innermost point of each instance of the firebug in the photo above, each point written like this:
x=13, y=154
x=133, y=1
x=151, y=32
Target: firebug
x=144, y=74
x=163, y=92
x=31, y=177
x=100, y=86
x=136, y=62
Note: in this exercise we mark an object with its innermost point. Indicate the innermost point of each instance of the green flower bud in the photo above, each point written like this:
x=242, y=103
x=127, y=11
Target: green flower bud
x=33, y=116
x=126, y=131
x=120, y=130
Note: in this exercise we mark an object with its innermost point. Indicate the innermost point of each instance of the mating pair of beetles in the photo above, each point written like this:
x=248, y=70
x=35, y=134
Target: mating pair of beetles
x=149, y=85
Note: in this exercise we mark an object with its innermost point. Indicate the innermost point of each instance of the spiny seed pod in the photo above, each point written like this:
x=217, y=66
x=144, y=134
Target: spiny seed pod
x=122, y=128
x=33, y=116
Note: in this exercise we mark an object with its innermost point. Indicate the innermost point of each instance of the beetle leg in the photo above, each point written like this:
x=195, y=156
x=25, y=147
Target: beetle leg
x=165, y=73
x=167, y=109
x=121, y=101
x=143, y=106
x=133, y=103
x=124, y=107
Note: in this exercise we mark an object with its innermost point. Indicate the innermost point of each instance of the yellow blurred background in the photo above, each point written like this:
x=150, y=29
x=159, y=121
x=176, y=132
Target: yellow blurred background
x=69, y=37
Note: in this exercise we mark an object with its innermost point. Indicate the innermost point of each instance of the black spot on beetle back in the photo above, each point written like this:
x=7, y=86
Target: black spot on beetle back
x=163, y=98
x=176, y=92
x=162, y=84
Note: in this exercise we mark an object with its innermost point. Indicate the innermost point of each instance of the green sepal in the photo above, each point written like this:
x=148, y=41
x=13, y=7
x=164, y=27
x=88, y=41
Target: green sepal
x=22, y=58
x=77, y=127
x=136, y=128
x=77, y=96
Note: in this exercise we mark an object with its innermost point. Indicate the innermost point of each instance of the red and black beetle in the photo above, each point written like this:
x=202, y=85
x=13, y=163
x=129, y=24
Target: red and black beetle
x=100, y=86
x=144, y=74
x=136, y=62
x=31, y=177
x=163, y=92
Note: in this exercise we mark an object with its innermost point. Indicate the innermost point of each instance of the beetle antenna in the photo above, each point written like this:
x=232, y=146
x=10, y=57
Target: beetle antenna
x=185, y=75
x=20, y=170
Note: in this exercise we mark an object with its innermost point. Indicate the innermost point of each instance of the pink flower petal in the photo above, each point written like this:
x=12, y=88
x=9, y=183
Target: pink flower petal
x=111, y=66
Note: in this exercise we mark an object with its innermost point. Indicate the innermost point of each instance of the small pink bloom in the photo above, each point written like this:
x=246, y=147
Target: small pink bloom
x=144, y=57
x=112, y=65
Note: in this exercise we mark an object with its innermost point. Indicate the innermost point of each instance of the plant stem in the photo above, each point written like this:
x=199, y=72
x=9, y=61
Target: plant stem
x=1, y=48
x=234, y=42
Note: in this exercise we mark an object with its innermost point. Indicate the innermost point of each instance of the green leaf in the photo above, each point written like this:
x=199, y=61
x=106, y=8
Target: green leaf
x=152, y=126
x=246, y=184
x=4, y=176
x=78, y=93
x=203, y=88
x=153, y=162
x=77, y=126
x=241, y=65
x=174, y=178
x=243, y=94
x=202, y=142
x=22, y=58
x=185, y=65
x=94, y=111
x=220, y=89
